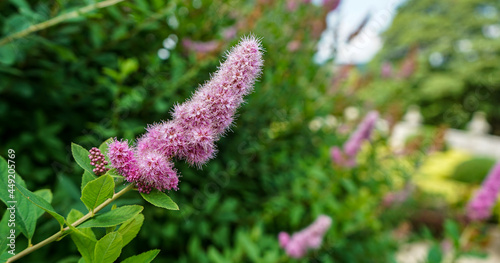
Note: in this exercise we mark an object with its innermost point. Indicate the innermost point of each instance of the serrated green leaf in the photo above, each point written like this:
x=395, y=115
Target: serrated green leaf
x=5, y=231
x=87, y=177
x=130, y=229
x=46, y=195
x=113, y=217
x=108, y=248
x=81, y=156
x=160, y=199
x=97, y=191
x=4, y=180
x=84, y=244
x=40, y=202
x=145, y=257
x=25, y=211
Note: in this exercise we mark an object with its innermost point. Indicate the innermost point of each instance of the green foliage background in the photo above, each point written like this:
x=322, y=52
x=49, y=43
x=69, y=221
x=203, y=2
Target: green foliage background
x=98, y=76
x=461, y=33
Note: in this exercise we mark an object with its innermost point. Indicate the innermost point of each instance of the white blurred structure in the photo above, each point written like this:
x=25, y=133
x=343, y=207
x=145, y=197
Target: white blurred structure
x=475, y=140
x=412, y=121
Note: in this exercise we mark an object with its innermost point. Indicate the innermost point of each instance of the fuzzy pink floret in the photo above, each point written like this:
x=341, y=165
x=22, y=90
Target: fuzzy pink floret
x=311, y=237
x=122, y=158
x=155, y=172
x=480, y=207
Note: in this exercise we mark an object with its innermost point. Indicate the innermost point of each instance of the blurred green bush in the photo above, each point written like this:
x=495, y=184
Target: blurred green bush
x=446, y=54
x=98, y=75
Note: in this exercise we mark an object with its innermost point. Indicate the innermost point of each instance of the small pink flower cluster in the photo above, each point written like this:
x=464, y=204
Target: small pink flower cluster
x=98, y=160
x=479, y=207
x=353, y=145
x=196, y=125
x=311, y=237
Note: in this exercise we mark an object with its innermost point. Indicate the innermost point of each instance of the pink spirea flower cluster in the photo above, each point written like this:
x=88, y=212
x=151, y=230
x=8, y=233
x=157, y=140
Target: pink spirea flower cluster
x=297, y=245
x=481, y=205
x=98, y=160
x=196, y=125
x=347, y=157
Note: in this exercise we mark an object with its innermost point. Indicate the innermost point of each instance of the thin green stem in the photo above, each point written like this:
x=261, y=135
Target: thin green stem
x=55, y=236
x=56, y=20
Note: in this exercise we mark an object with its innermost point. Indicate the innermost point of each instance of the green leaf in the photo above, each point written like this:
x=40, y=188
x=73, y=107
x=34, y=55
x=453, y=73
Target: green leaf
x=97, y=191
x=452, y=231
x=46, y=195
x=84, y=244
x=160, y=199
x=434, y=255
x=25, y=211
x=40, y=202
x=129, y=229
x=87, y=177
x=4, y=180
x=81, y=157
x=145, y=257
x=108, y=248
x=5, y=231
x=113, y=217
x=8, y=54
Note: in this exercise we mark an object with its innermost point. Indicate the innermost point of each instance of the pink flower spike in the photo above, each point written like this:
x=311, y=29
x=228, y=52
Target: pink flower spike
x=196, y=125
x=311, y=237
x=283, y=238
x=362, y=133
x=480, y=207
x=213, y=106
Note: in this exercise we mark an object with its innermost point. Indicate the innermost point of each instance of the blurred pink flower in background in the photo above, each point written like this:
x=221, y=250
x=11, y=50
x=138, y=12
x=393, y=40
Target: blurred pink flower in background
x=409, y=64
x=293, y=45
x=200, y=47
x=291, y=5
x=331, y=5
x=229, y=33
x=386, y=71
x=297, y=245
x=481, y=205
x=347, y=157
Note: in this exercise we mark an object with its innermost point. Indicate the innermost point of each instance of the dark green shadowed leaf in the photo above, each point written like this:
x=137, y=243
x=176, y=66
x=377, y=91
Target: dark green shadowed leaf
x=97, y=191
x=160, y=199
x=113, y=217
x=145, y=257
x=81, y=156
